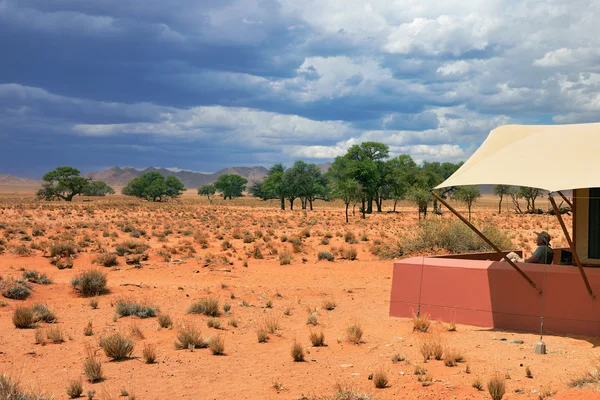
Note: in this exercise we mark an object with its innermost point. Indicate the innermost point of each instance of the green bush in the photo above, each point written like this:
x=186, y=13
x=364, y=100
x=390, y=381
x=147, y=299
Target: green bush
x=454, y=237
x=90, y=283
x=325, y=255
x=127, y=308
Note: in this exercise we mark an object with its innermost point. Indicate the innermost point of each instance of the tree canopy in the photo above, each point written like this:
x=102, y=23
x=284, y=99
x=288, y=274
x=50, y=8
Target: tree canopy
x=97, y=188
x=207, y=190
x=64, y=183
x=231, y=185
x=152, y=186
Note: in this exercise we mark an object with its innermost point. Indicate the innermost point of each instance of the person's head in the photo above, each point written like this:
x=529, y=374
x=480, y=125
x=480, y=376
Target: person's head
x=543, y=238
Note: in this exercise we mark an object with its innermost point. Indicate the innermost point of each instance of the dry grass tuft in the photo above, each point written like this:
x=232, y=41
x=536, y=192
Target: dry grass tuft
x=477, y=383
x=216, y=344
x=452, y=357
x=90, y=283
x=297, y=352
x=149, y=353
x=262, y=334
x=75, y=389
x=207, y=306
x=421, y=323
x=354, y=333
x=165, y=321
x=23, y=318
x=10, y=390
x=430, y=346
x=54, y=334
x=380, y=379
x=189, y=337
x=317, y=339
x=117, y=347
x=92, y=366
x=496, y=387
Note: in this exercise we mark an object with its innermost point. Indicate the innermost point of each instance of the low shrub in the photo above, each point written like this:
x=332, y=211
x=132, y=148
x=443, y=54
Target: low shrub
x=421, y=323
x=354, y=333
x=325, y=255
x=380, y=379
x=24, y=318
x=63, y=249
x=453, y=236
x=10, y=390
x=117, y=347
x=149, y=353
x=14, y=289
x=165, y=321
x=90, y=283
x=43, y=313
x=189, y=337
x=216, y=344
x=430, y=346
x=106, y=259
x=92, y=366
x=496, y=387
x=208, y=306
x=317, y=339
x=75, y=389
x=297, y=352
x=54, y=334
x=128, y=308
x=349, y=253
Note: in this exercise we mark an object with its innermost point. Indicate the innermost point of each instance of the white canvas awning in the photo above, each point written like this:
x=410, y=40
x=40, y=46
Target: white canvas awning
x=550, y=157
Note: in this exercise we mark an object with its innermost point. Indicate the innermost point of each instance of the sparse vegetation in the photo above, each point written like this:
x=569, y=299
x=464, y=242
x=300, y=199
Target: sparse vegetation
x=354, y=333
x=496, y=387
x=117, y=347
x=129, y=308
x=297, y=352
x=207, y=306
x=90, y=283
x=189, y=337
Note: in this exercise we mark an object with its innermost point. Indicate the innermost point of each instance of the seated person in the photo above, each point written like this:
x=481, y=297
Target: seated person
x=544, y=253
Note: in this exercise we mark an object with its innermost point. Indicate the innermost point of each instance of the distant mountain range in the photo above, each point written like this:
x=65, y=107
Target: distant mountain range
x=118, y=177
x=6, y=179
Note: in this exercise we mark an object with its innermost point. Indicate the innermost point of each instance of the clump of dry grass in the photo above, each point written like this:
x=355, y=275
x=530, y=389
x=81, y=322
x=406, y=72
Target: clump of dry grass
x=477, y=383
x=262, y=334
x=216, y=344
x=89, y=329
x=189, y=337
x=43, y=313
x=136, y=331
x=419, y=370
x=149, y=353
x=23, y=318
x=496, y=387
x=90, y=283
x=165, y=321
x=452, y=357
x=421, y=323
x=528, y=373
x=214, y=323
x=75, y=389
x=92, y=366
x=297, y=352
x=10, y=390
x=312, y=319
x=430, y=346
x=354, y=333
x=271, y=323
x=380, y=379
x=207, y=306
x=425, y=379
x=131, y=308
x=329, y=305
x=117, y=347
x=54, y=334
x=317, y=339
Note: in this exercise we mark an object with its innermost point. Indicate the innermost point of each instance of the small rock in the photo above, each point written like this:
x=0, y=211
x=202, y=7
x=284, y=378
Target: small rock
x=516, y=341
x=346, y=365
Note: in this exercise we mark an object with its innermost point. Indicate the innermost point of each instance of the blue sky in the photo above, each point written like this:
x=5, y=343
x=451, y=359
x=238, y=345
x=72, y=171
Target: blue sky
x=203, y=85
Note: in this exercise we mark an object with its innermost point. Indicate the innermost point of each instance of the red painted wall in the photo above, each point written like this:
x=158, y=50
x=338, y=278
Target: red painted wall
x=492, y=294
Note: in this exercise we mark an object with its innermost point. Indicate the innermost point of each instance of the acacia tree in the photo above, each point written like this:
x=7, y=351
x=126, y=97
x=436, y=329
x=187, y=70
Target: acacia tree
x=97, y=188
x=274, y=185
x=348, y=190
x=530, y=194
x=400, y=177
x=500, y=191
x=152, y=186
x=467, y=195
x=207, y=190
x=63, y=183
x=231, y=185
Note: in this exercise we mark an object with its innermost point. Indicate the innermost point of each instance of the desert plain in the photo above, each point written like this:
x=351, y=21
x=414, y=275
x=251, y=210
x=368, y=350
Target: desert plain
x=262, y=267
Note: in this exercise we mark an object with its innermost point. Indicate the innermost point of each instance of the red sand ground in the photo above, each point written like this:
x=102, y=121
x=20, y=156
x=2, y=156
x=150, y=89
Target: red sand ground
x=250, y=369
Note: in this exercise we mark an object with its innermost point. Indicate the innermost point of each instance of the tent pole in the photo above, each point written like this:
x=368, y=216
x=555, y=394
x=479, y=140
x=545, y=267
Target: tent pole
x=488, y=241
x=568, y=237
x=565, y=199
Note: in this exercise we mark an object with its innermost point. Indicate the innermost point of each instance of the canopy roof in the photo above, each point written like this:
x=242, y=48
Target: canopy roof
x=550, y=157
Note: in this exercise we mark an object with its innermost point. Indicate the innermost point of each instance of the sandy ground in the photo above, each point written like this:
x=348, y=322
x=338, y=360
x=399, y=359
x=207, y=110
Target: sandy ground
x=191, y=262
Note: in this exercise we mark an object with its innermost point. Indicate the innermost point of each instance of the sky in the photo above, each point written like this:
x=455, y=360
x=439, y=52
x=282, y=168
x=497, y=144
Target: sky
x=204, y=85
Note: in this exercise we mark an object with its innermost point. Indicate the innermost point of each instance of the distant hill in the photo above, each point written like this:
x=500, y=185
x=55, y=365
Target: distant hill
x=118, y=176
x=7, y=179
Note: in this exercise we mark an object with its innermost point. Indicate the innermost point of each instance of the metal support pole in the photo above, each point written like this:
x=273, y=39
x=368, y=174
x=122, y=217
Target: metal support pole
x=488, y=241
x=572, y=246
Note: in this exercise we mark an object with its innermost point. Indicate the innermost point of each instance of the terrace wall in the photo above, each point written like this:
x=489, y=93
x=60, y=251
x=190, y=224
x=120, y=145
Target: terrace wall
x=492, y=294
